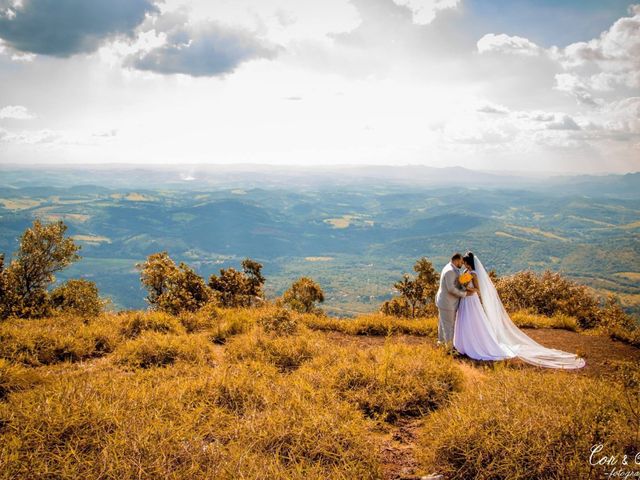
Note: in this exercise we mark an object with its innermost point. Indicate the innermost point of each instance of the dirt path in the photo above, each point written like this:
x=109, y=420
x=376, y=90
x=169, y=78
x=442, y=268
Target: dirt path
x=398, y=441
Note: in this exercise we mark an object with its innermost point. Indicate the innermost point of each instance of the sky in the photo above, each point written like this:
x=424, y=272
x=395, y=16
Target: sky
x=513, y=85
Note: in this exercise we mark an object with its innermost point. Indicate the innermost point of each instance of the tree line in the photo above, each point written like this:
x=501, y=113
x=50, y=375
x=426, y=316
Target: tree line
x=44, y=250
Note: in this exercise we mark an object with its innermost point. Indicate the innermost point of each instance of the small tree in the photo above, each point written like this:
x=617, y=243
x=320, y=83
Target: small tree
x=416, y=294
x=239, y=289
x=44, y=250
x=280, y=322
x=303, y=295
x=413, y=292
x=428, y=278
x=79, y=297
x=255, y=280
x=172, y=288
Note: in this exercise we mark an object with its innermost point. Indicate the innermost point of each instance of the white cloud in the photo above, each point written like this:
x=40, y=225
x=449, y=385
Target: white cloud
x=501, y=43
x=574, y=85
x=354, y=81
x=205, y=48
x=563, y=122
x=424, y=11
x=605, y=65
x=279, y=21
x=16, y=112
x=493, y=109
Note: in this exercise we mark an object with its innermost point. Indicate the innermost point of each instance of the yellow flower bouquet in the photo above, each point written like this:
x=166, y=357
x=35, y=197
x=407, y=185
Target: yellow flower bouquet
x=465, y=278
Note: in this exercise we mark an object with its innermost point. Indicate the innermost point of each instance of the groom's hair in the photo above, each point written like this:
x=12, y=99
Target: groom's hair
x=456, y=256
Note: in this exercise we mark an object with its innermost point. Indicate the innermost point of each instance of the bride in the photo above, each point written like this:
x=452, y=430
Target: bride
x=484, y=331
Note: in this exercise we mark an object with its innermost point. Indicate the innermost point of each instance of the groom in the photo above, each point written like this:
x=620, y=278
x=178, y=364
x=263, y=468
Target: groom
x=448, y=298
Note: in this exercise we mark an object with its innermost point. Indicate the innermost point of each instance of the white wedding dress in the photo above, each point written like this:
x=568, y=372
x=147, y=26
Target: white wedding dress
x=484, y=331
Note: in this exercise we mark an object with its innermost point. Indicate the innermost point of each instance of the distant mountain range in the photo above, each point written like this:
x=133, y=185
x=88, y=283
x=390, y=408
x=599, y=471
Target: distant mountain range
x=260, y=176
x=353, y=229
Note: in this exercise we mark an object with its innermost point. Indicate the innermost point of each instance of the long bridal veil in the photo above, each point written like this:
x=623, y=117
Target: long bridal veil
x=511, y=336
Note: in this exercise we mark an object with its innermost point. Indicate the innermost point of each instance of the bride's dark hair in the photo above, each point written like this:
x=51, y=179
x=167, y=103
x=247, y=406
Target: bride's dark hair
x=470, y=259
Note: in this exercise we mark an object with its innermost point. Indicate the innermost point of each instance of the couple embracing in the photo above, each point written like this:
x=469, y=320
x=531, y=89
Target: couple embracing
x=473, y=319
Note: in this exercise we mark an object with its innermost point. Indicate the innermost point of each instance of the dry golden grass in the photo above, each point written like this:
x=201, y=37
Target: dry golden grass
x=523, y=424
x=153, y=349
x=374, y=324
x=531, y=320
x=390, y=381
x=183, y=421
x=15, y=378
x=632, y=337
x=217, y=394
x=286, y=352
x=58, y=339
x=138, y=322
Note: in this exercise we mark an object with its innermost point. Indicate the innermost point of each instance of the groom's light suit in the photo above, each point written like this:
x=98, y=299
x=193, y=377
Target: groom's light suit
x=447, y=300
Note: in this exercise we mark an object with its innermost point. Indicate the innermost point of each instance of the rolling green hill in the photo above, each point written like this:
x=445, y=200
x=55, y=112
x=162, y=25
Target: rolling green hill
x=355, y=236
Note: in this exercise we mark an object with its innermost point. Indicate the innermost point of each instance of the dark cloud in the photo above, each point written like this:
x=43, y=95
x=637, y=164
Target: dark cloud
x=206, y=49
x=62, y=28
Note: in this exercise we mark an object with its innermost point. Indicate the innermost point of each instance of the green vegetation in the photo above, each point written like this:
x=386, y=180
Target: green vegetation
x=44, y=250
x=585, y=229
x=172, y=288
x=303, y=295
x=417, y=295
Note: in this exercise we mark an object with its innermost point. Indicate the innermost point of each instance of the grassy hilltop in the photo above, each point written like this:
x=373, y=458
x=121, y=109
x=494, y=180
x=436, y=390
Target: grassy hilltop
x=253, y=393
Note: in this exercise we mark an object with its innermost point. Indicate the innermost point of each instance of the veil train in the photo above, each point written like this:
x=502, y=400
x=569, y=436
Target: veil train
x=514, y=339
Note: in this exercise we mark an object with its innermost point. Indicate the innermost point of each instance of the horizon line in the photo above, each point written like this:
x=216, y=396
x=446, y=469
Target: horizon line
x=130, y=166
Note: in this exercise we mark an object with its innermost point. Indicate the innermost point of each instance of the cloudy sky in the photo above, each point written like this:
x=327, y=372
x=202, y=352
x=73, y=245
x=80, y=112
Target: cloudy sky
x=544, y=85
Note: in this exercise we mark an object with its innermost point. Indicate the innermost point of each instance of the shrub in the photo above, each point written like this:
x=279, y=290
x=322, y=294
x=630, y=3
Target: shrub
x=396, y=307
x=280, y=322
x=303, y=295
x=526, y=424
x=77, y=297
x=239, y=289
x=548, y=294
x=172, y=288
x=613, y=317
x=417, y=295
